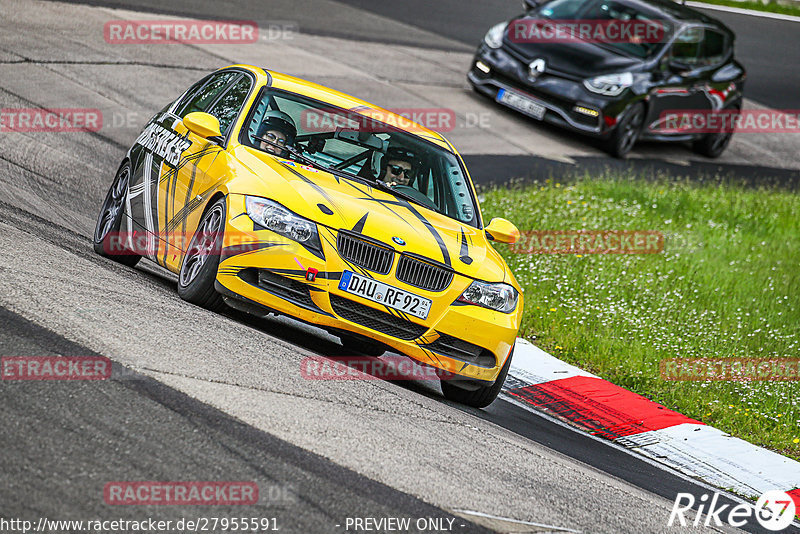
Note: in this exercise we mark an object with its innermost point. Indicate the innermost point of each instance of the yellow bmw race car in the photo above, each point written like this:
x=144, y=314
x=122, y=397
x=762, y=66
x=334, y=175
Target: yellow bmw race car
x=271, y=194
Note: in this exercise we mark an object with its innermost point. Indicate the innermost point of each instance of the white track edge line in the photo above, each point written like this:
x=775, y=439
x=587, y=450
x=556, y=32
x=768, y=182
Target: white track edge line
x=517, y=521
x=744, y=11
x=664, y=467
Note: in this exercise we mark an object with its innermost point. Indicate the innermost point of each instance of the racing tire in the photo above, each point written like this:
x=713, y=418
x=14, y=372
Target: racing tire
x=105, y=240
x=714, y=144
x=624, y=136
x=201, y=261
x=481, y=397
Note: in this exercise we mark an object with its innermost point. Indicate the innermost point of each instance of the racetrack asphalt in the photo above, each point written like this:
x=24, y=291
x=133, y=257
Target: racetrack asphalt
x=769, y=48
x=446, y=33
x=63, y=442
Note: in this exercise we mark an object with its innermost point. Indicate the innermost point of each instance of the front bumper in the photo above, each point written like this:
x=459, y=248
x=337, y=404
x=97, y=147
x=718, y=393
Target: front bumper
x=268, y=271
x=560, y=94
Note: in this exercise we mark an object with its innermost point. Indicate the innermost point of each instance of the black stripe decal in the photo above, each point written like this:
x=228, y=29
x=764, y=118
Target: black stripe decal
x=432, y=230
x=317, y=187
x=383, y=203
x=244, y=249
x=359, y=227
x=464, y=249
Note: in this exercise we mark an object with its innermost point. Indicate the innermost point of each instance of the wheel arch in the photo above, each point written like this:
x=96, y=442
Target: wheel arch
x=126, y=160
x=216, y=196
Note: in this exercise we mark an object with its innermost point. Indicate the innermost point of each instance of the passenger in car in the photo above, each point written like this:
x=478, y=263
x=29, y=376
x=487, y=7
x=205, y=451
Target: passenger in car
x=278, y=128
x=398, y=166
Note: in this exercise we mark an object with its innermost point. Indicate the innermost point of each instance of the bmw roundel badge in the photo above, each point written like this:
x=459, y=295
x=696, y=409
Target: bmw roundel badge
x=398, y=241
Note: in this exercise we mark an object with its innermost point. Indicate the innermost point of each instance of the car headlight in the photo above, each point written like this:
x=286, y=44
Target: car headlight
x=609, y=84
x=280, y=220
x=499, y=297
x=494, y=37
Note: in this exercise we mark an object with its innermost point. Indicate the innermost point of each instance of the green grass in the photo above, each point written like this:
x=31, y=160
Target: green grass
x=771, y=7
x=726, y=285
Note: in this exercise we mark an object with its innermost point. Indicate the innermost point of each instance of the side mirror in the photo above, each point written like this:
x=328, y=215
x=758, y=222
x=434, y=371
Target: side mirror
x=502, y=231
x=203, y=124
x=530, y=5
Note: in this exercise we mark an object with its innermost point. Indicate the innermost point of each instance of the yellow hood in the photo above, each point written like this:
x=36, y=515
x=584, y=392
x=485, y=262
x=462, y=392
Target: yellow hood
x=311, y=192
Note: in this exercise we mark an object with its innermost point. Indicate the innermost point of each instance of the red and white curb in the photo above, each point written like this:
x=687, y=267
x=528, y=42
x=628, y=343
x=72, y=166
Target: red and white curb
x=547, y=384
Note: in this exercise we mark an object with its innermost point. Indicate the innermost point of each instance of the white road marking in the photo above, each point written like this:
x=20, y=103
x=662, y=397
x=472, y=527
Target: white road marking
x=512, y=521
x=742, y=11
x=533, y=366
x=655, y=462
x=699, y=454
x=719, y=458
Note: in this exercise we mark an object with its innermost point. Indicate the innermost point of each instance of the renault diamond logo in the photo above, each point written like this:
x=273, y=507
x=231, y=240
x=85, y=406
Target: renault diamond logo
x=536, y=68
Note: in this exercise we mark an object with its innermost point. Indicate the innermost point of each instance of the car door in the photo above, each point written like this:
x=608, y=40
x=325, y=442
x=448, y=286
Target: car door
x=681, y=79
x=206, y=163
x=182, y=188
x=164, y=152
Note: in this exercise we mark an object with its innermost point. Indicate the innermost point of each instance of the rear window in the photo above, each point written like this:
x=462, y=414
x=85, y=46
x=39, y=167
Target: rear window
x=610, y=10
x=562, y=9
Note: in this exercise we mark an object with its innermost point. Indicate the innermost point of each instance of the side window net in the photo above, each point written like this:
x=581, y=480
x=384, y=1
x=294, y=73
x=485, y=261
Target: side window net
x=208, y=94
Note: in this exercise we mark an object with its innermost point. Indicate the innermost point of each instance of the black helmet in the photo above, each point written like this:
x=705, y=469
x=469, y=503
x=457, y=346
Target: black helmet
x=280, y=121
x=398, y=153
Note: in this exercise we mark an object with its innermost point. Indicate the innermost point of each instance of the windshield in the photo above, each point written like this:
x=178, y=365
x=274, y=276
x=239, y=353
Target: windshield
x=362, y=148
x=610, y=10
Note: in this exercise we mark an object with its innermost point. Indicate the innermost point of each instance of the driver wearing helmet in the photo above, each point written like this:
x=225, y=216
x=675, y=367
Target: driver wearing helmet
x=398, y=166
x=278, y=128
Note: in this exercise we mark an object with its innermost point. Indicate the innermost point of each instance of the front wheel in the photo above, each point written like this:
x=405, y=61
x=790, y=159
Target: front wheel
x=481, y=397
x=625, y=135
x=714, y=144
x=199, y=268
x=107, y=241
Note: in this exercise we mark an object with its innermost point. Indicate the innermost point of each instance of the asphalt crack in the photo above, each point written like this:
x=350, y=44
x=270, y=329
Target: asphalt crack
x=31, y=61
x=305, y=397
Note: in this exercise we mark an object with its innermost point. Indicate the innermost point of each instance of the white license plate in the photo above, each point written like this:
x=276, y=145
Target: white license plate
x=521, y=103
x=385, y=294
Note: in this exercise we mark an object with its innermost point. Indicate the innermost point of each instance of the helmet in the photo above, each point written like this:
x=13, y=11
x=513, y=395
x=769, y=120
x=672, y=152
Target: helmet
x=397, y=153
x=280, y=121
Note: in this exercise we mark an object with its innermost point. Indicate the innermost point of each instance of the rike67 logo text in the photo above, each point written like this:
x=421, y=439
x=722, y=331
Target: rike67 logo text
x=774, y=510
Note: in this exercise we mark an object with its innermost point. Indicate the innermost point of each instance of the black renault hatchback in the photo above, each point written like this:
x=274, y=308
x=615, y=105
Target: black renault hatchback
x=595, y=67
